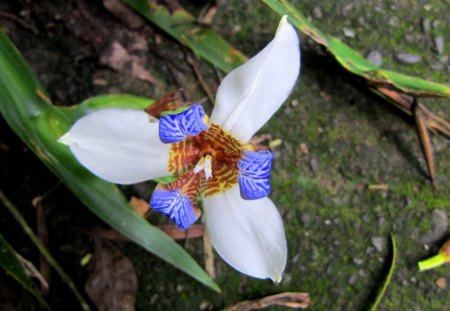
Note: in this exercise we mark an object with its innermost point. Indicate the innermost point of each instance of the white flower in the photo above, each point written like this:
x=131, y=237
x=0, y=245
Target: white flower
x=210, y=158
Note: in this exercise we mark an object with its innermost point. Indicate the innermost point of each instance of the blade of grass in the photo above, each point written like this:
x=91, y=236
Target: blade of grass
x=182, y=26
x=25, y=106
x=52, y=262
x=10, y=263
x=387, y=281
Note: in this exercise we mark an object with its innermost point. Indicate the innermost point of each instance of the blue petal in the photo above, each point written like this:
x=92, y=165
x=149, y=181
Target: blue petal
x=175, y=206
x=254, y=174
x=176, y=127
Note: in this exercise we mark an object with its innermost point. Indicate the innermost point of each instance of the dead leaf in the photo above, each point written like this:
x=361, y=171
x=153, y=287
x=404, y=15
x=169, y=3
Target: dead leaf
x=208, y=256
x=112, y=282
x=117, y=57
x=290, y=300
x=425, y=142
x=170, y=101
x=194, y=231
x=140, y=206
x=31, y=270
x=123, y=13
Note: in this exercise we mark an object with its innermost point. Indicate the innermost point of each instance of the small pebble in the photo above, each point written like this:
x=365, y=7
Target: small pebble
x=348, y=32
x=375, y=57
x=439, y=42
x=205, y=305
x=442, y=283
x=352, y=279
x=393, y=21
x=313, y=164
x=358, y=261
x=305, y=218
x=381, y=222
x=407, y=58
x=426, y=25
x=379, y=242
x=347, y=9
x=317, y=12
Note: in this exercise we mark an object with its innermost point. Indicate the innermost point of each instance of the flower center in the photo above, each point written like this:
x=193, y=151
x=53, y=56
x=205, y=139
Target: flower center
x=216, y=149
x=206, y=159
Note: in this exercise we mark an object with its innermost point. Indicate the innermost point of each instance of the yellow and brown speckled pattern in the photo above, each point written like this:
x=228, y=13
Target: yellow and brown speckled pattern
x=225, y=152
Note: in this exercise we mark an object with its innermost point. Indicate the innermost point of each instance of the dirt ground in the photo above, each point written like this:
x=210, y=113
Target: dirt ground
x=348, y=174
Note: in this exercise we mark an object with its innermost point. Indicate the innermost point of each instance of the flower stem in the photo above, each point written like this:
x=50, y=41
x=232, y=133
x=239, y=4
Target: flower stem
x=431, y=262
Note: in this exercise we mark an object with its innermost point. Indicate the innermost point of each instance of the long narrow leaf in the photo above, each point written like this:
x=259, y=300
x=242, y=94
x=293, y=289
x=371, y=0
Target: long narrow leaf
x=10, y=263
x=183, y=27
x=25, y=107
x=355, y=62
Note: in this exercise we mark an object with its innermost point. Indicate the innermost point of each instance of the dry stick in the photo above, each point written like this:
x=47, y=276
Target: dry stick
x=425, y=142
x=42, y=233
x=425, y=120
x=19, y=21
x=191, y=61
x=209, y=256
x=65, y=277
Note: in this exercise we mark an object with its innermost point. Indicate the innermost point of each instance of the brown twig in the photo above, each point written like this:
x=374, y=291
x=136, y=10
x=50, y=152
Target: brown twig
x=193, y=63
x=208, y=256
x=195, y=231
x=18, y=20
x=290, y=300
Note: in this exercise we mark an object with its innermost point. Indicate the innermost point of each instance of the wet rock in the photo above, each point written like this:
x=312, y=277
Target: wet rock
x=407, y=58
x=378, y=242
x=375, y=57
x=348, y=32
x=317, y=12
x=439, y=43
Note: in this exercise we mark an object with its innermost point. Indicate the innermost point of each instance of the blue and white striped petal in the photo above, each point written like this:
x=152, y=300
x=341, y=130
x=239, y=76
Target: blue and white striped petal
x=175, y=206
x=176, y=127
x=254, y=174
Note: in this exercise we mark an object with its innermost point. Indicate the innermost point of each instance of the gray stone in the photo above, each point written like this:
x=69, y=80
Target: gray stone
x=439, y=43
x=407, y=58
x=317, y=12
x=348, y=32
x=375, y=57
x=379, y=242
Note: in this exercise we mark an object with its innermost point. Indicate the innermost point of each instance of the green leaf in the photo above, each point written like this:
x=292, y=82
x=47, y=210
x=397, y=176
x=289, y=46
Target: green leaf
x=355, y=62
x=182, y=26
x=25, y=107
x=10, y=263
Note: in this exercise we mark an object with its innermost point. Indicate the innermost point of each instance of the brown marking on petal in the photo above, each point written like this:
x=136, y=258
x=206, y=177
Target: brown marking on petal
x=183, y=156
x=224, y=149
x=188, y=184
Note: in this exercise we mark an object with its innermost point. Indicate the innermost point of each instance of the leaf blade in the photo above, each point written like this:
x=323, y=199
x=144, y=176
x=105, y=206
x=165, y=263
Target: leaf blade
x=40, y=124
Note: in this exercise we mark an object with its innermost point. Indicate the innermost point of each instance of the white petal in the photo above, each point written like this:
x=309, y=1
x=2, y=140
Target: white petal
x=119, y=145
x=253, y=92
x=247, y=234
